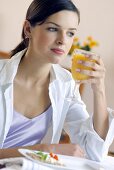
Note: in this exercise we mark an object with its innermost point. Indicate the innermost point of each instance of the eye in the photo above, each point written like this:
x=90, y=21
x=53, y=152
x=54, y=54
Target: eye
x=70, y=34
x=52, y=29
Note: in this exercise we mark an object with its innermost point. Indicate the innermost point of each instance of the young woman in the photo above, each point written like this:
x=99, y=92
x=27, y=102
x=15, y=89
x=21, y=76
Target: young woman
x=34, y=89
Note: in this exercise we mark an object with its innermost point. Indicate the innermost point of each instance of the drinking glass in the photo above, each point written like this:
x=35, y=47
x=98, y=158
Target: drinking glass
x=77, y=56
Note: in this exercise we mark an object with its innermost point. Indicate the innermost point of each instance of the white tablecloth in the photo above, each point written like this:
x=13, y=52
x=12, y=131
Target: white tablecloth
x=22, y=163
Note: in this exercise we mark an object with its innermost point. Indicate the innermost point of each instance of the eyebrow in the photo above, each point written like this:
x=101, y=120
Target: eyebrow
x=60, y=26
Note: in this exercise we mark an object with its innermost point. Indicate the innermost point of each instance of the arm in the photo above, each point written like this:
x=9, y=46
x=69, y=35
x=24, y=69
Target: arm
x=13, y=152
x=97, y=76
x=82, y=130
x=65, y=149
x=100, y=117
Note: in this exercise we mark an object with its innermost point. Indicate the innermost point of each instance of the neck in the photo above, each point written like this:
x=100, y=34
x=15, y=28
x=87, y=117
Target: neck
x=34, y=71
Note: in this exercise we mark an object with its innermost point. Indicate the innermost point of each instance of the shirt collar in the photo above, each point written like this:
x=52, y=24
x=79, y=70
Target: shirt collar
x=59, y=73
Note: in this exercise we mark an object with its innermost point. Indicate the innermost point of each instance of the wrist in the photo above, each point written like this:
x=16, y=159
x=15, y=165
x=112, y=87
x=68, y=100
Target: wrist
x=98, y=86
x=47, y=147
x=99, y=89
x=51, y=148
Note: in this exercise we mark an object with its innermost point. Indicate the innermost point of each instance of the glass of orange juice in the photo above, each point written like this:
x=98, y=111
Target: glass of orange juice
x=79, y=55
x=82, y=55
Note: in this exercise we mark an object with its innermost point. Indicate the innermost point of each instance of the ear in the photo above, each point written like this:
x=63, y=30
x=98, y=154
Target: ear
x=27, y=29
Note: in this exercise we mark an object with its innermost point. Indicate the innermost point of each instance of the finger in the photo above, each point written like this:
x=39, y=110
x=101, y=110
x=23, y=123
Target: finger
x=90, y=81
x=79, y=154
x=82, y=152
x=100, y=62
x=98, y=59
x=88, y=54
x=94, y=56
x=93, y=65
x=78, y=148
x=77, y=82
x=91, y=73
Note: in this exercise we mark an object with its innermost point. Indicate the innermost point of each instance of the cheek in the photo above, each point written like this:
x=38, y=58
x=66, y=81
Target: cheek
x=45, y=41
x=39, y=38
x=46, y=36
x=69, y=44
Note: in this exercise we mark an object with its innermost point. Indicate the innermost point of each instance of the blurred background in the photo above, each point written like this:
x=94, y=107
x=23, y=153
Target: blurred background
x=97, y=20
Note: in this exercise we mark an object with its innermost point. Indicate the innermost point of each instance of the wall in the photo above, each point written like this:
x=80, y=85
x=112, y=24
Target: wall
x=97, y=20
x=12, y=14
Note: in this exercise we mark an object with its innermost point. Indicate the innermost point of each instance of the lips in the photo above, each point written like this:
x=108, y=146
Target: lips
x=58, y=51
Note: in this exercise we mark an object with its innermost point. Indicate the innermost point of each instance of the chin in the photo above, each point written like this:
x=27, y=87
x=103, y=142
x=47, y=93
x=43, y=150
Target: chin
x=56, y=60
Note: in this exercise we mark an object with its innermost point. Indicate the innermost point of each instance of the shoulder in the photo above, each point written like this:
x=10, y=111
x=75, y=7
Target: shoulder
x=8, y=68
x=3, y=62
x=11, y=62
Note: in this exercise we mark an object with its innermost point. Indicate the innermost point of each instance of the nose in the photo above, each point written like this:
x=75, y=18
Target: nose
x=61, y=39
x=59, y=42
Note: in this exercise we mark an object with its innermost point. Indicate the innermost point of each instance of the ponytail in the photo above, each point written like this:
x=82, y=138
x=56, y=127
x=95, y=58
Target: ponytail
x=24, y=44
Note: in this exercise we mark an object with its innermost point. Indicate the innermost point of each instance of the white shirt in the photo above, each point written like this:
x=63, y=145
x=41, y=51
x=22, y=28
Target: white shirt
x=70, y=115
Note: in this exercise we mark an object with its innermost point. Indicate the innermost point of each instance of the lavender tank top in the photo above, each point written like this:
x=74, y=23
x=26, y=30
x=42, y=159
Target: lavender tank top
x=25, y=131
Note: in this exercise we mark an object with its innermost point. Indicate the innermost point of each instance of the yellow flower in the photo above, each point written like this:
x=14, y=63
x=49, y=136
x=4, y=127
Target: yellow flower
x=76, y=39
x=93, y=44
x=89, y=38
x=87, y=45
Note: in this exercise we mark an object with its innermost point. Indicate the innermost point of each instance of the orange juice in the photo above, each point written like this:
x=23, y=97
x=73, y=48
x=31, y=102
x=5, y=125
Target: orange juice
x=76, y=65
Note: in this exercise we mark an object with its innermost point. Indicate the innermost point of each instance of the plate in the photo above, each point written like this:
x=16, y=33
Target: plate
x=71, y=163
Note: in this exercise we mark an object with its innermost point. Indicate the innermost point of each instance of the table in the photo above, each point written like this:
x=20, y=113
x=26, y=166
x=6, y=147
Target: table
x=22, y=163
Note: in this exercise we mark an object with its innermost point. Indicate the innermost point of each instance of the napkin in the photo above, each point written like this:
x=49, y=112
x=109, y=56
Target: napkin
x=22, y=163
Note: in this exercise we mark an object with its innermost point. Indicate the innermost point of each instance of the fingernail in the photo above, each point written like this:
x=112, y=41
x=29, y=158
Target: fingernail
x=78, y=70
x=77, y=81
x=79, y=61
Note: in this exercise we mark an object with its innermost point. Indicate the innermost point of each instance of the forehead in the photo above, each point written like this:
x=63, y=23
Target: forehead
x=65, y=19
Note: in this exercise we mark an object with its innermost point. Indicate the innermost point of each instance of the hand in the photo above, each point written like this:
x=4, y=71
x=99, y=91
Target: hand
x=97, y=72
x=67, y=149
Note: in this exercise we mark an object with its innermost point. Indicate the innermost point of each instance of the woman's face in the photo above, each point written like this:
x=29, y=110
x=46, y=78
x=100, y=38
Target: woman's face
x=52, y=40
